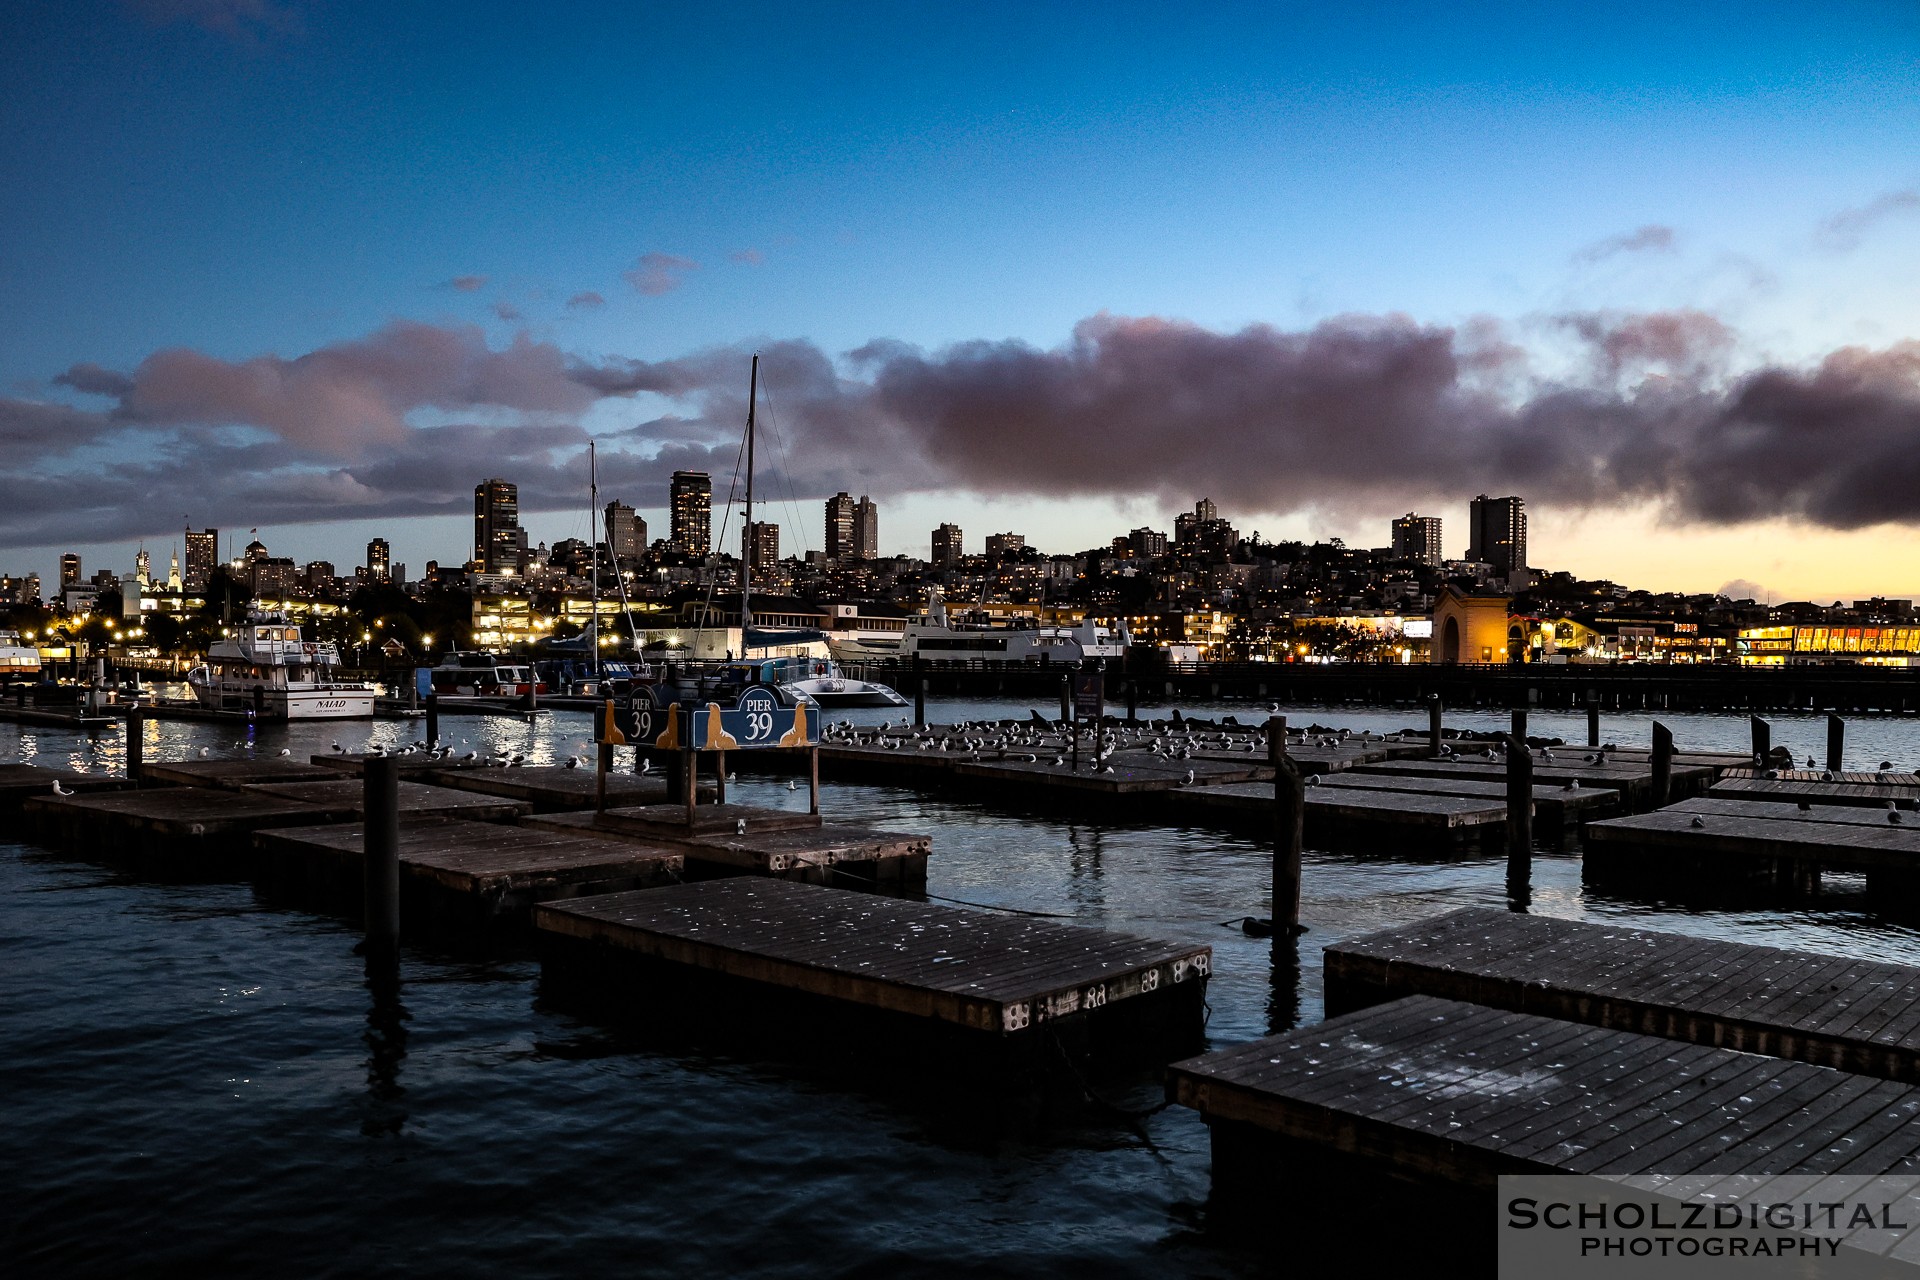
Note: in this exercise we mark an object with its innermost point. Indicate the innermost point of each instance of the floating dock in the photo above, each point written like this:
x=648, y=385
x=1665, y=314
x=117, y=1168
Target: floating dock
x=1870, y=795
x=1558, y=812
x=1632, y=780
x=19, y=782
x=417, y=800
x=186, y=829
x=1355, y=818
x=999, y=977
x=1860, y=1016
x=558, y=789
x=777, y=842
x=1435, y=1089
x=353, y=763
x=231, y=774
x=458, y=876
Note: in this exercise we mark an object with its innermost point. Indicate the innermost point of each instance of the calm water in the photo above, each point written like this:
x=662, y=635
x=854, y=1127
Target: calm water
x=193, y=1079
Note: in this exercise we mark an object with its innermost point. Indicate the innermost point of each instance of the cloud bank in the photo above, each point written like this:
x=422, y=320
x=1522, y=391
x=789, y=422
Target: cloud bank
x=1360, y=415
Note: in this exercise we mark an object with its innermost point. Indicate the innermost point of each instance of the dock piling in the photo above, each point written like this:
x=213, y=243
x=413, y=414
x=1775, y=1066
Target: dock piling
x=381, y=803
x=1433, y=724
x=433, y=719
x=1289, y=820
x=1836, y=741
x=1519, y=806
x=136, y=742
x=1762, y=740
x=919, y=692
x=1066, y=698
x=604, y=766
x=1662, y=762
x=1593, y=721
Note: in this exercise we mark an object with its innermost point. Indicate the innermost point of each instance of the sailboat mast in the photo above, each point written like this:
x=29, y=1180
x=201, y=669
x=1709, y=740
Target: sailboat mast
x=746, y=559
x=593, y=538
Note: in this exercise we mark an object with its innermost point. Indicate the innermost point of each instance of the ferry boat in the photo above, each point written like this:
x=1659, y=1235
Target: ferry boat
x=17, y=658
x=935, y=636
x=267, y=667
x=471, y=671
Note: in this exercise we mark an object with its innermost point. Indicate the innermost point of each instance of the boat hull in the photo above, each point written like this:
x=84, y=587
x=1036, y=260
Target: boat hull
x=352, y=703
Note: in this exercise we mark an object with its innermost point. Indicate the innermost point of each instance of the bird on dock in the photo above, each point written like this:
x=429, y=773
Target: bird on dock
x=573, y=762
x=740, y=827
x=1810, y=763
x=1886, y=765
x=338, y=749
x=731, y=777
x=475, y=755
x=203, y=750
x=646, y=767
x=1188, y=780
x=1893, y=816
x=792, y=785
x=1058, y=761
x=1311, y=780
x=1698, y=822
x=1826, y=775
x=286, y=751
x=1573, y=785
x=60, y=790
x=1806, y=806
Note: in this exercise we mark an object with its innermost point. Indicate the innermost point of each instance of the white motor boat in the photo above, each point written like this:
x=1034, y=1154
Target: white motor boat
x=266, y=667
x=17, y=658
x=934, y=636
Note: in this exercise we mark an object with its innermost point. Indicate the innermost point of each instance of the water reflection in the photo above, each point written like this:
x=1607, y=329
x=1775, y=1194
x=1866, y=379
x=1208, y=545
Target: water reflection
x=384, y=1112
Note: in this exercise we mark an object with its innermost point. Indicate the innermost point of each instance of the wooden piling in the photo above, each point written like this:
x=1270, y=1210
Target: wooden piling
x=433, y=719
x=1289, y=828
x=602, y=767
x=1762, y=740
x=1593, y=721
x=136, y=742
x=1433, y=724
x=1836, y=742
x=381, y=901
x=919, y=692
x=1519, y=805
x=1066, y=698
x=1662, y=763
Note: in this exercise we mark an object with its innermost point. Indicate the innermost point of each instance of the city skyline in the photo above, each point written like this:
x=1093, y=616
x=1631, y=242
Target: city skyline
x=1662, y=287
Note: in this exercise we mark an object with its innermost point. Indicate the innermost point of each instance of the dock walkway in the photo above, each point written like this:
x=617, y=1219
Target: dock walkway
x=417, y=800
x=231, y=774
x=1688, y=848
x=1860, y=1016
x=1353, y=817
x=19, y=782
x=1434, y=1088
x=994, y=975
x=776, y=843
x=167, y=828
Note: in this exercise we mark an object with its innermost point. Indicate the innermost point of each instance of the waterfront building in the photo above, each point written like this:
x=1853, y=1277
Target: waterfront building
x=866, y=529
x=379, y=561
x=690, y=504
x=1785, y=646
x=760, y=544
x=1470, y=628
x=499, y=543
x=1001, y=545
x=70, y=570
x=1497, y=534
x=839, y=543
x=1417, y=538
x=947, y=548
x=626, y=534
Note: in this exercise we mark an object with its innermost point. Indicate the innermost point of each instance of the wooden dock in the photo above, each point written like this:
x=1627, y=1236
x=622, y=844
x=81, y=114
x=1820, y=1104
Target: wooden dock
x=1632, y=780
x=187, y=829
x=459, y=877
x=558, y=789
x=19, y=782
x=417, y=800
x=1870, y=795
x=795, y=846
x=1557, y=812
x=1342, y=818
x=1435, y=1089
x=1861, y=1016
x=415, y=763
x=1684, y=849
x=999, y=977
x=231, y=774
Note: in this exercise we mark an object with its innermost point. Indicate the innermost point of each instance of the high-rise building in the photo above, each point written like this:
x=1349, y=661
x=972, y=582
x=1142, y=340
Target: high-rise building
x=1005, y=544
x=626, y=534
x=1497, y=529
x=499, y=544
x=690, y=507
x=866, y=529
x=273, y=577
x=317, y=576
x=839, y=542
x=379, y=561
x=760, y=545
x=946, y=544
x=1417, y=538
x=203, y=553
x=1204, y=510
x=1147, y=543
x=70, y=570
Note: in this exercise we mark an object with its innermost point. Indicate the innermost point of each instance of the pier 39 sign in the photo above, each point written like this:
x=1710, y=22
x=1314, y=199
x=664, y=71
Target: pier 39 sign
x=756, y=720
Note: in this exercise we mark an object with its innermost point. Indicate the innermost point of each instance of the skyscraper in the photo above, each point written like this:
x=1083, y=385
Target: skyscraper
x=70, y=570
x=866, y=529
x=1204, y=510
x=497, y=540
x=1005, y=544
x=203, y=553
x=947, y=544
x=1417, y=538
x=1498, y=533
x=839, y=526
x=690, y=504
x=626, y=534
x=760, y=545
x=379, y=561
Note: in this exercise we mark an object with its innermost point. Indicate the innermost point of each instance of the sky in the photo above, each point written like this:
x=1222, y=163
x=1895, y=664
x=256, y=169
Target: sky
x=317, y=267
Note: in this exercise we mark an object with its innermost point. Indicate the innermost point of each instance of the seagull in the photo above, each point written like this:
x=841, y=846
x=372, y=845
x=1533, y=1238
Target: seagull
x=1698, y=822
x=1806, y=806
x=286, y=751
x=1311, y=780
x=732, y=776
x=1187, y=782
x=338, y=749
x=573, y=762
x=471, y=755
x=740, y=827
x=204, y=750
x=1810, y=763
x=1893, y=816
x=1885, y=765
x=1826, y=775
x=1574, y=785
x=646, y=767
x=60, y=790
x=792, y=785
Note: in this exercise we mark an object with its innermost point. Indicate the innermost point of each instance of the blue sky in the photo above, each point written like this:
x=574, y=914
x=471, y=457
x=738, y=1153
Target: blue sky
x=246, y=178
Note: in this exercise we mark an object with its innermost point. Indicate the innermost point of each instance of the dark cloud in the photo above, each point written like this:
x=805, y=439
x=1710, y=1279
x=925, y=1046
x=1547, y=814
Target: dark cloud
x=467, y=284
x=506, y=310
x=243, y=21
x=1846, y=229
x=1363, y=415
x=586, y=301
x=657, y=273
x=1652, y=238
x=747, y=257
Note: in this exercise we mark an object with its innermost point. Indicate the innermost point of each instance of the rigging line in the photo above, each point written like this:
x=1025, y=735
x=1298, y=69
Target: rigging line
x=713, y=577
x=786, y=473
